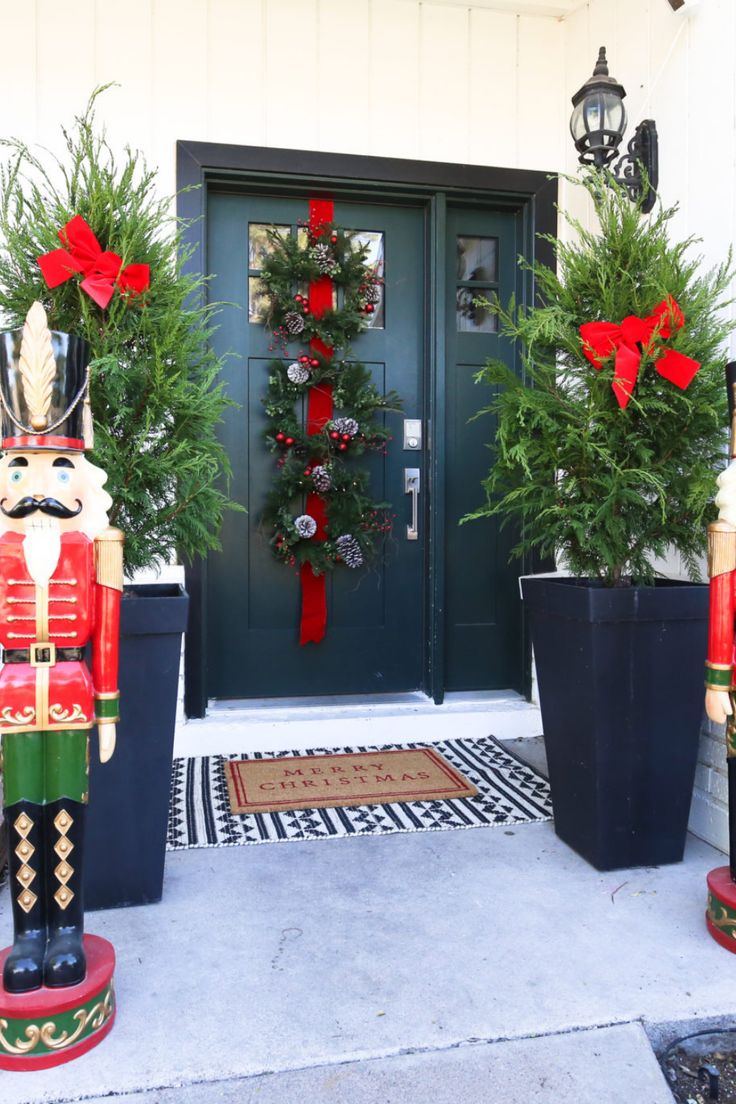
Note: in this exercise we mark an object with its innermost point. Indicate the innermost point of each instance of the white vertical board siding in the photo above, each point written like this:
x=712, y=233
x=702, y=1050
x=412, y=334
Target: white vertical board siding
x=237, y=89
x=493, y=124
x=394, y=86
x=65, y=64
x=407, y=78
x=443, y=83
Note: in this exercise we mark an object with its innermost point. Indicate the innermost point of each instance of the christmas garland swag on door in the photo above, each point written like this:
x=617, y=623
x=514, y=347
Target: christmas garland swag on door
x=340, y=524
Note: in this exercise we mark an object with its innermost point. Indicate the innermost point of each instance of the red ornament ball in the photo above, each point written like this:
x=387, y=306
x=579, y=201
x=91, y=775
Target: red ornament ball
x=280, y=437
x=305, y=308
x=342, y=446
x=333, y=238
x=307, y=471
x=298, y=298
x=334, y=435
x=314, y=362
x=289, y=441
x=369, y=308
x=346, y=436
x=303, y=359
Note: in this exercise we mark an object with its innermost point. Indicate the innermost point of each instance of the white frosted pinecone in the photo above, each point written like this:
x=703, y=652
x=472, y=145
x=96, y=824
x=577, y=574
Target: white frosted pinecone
x=350, y=550
x=305, y=526
x=323, y=259
x=346, y=425
x=373, y=294
x=293, y=322
x=321, y=477
x=297, y=373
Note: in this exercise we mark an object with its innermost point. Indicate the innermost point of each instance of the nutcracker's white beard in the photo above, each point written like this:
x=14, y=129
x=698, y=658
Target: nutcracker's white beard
x=726, y=497
x=41, y=547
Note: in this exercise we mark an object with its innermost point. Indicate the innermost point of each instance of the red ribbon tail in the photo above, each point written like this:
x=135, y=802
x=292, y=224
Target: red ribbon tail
x=314, y=607
x=625, y=375
x=99, y=288
x=677, y=368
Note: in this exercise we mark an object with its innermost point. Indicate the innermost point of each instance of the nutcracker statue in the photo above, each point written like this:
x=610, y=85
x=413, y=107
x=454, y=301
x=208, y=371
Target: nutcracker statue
x=720, y=673
x=61, y=580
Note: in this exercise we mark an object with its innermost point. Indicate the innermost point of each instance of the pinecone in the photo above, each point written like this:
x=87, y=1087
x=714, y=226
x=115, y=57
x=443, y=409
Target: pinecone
x=373, y=293
x=323, y=259
x=297, y=373
x=321, y=477
x=350, y=550
x=345, y=425
x=293, y=322
x=305, y=526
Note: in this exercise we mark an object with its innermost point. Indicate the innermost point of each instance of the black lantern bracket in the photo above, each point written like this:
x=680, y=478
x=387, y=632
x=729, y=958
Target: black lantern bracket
x=597, y=126
x=638, y=170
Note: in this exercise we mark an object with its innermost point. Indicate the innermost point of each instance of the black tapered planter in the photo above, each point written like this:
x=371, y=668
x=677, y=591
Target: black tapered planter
x=129, y=795
x=620, y=674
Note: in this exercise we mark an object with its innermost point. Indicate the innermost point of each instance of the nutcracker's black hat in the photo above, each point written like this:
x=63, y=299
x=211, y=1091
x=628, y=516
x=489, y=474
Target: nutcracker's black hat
x=44, y=387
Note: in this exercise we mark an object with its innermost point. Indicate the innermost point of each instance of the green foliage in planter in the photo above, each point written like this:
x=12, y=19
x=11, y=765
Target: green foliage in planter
x=154, y=390
x=609, y=490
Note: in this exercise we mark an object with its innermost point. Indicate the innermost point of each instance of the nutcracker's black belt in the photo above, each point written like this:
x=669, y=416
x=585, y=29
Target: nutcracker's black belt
x=23, y=655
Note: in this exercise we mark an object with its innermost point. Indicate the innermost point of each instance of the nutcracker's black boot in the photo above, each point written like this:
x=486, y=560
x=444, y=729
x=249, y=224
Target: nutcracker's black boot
x=23, y=970
x=65, y=960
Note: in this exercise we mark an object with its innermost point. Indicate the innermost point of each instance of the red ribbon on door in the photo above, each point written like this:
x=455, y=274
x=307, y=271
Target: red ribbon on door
x=319, y=413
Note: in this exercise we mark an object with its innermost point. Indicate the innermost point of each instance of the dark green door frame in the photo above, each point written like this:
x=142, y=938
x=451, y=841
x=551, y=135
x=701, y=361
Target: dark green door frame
x=529, y=194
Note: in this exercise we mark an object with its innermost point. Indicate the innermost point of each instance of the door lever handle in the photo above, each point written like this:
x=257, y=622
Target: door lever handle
x=412, y=485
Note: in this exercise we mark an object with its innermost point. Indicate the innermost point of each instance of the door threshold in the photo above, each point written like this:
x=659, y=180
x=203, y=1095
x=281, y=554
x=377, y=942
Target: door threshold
x=299, y=724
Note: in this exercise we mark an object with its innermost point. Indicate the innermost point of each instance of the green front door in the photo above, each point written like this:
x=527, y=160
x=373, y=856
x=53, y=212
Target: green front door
x=379, y=622
x=375, y=631
x=483, y=638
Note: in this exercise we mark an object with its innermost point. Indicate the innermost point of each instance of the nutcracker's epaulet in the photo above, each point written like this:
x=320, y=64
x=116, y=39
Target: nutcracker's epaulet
x=109, y=558
x=721, y=547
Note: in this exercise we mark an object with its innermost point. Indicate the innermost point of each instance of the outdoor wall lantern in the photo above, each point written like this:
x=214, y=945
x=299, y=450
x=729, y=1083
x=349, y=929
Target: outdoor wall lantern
x=597, y=125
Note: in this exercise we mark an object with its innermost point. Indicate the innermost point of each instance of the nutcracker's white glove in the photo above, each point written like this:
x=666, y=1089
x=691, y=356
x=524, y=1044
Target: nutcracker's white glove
x=718, y=705
x=106, y=733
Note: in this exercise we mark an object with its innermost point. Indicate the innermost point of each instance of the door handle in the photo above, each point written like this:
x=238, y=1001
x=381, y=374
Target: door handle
x=412, y=484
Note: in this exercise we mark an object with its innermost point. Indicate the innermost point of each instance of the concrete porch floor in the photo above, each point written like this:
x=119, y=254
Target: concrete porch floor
x=486, y=965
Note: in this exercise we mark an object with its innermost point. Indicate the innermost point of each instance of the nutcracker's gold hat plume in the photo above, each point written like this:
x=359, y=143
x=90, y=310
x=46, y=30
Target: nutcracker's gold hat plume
x=44, y=387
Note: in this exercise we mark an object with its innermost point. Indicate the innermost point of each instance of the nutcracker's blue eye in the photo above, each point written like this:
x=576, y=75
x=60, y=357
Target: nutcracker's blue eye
x=16, y=476
x=62, y=477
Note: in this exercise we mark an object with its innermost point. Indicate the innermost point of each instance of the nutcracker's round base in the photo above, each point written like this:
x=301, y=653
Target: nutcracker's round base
x=720, y=915
x=47, y=1027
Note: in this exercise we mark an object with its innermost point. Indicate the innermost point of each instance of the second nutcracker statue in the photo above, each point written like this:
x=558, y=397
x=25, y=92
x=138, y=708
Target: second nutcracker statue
x=61, y=580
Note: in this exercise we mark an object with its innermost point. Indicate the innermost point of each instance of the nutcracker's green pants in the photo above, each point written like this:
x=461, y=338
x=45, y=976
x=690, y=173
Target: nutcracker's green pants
x=44, y=766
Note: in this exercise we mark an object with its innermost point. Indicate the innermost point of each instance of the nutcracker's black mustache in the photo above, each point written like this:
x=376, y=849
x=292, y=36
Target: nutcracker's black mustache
x=28, y=505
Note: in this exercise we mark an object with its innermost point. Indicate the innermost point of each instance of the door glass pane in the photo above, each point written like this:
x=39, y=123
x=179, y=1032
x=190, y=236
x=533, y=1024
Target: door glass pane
x=477, y=258
x=470, y=317
x=376, y=259
x=258, y=244
x=257, y=300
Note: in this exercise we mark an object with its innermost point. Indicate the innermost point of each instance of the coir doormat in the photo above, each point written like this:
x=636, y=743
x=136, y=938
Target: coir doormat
x=342, y=779
x=509, y=792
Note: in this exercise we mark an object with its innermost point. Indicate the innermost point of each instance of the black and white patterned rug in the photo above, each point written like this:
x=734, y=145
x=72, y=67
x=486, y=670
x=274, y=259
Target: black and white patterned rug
x=509, y=792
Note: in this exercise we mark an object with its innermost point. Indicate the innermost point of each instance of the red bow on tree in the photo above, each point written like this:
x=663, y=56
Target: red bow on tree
x=102, y=269
x=601, y=339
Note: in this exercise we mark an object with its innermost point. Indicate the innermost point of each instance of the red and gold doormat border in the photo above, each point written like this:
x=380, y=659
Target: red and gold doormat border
x=355, y=778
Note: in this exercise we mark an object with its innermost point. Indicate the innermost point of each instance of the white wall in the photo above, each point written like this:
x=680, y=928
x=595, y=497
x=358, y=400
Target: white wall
x=390, y=77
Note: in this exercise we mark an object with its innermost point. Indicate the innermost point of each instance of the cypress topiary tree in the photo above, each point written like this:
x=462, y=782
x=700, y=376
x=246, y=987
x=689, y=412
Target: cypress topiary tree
x=605, y=488
x=154, y=391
